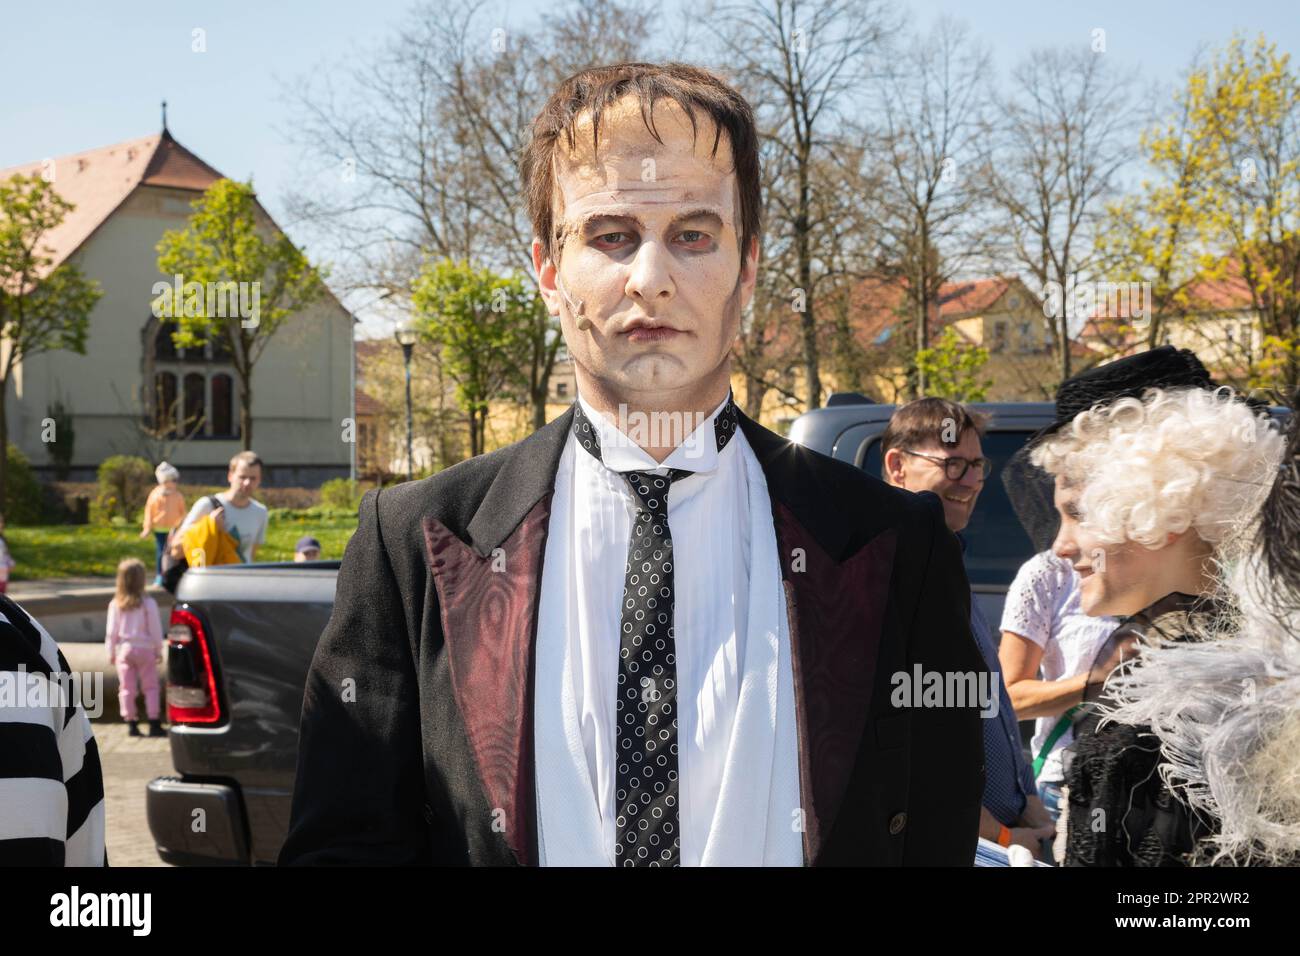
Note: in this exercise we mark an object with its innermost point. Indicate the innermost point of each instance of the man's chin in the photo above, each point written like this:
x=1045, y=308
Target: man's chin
x=957, y=516
x=658, y=371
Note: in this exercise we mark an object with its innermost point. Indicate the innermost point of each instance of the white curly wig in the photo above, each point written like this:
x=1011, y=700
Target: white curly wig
x=1226, y=711
x=1177, y=459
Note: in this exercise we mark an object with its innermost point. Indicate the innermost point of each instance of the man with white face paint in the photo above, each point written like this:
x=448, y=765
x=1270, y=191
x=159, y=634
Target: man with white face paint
x=653, y=633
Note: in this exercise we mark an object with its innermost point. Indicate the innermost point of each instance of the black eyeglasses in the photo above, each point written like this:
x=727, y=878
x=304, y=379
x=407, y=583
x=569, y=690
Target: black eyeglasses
x=955, y=468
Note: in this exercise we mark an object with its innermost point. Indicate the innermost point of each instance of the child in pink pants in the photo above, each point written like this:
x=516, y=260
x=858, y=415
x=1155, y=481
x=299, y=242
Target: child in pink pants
x=135, y=645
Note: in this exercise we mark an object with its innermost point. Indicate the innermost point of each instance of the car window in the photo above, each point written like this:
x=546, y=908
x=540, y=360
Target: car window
x=996, y=544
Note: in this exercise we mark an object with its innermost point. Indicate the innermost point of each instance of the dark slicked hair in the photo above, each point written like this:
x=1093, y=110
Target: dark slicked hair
x=698, y=92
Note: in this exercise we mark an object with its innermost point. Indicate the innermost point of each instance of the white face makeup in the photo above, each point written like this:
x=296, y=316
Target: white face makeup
x=649, y=249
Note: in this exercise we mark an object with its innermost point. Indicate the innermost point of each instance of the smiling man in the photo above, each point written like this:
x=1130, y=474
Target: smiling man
x=933, y=444
x=612, y=645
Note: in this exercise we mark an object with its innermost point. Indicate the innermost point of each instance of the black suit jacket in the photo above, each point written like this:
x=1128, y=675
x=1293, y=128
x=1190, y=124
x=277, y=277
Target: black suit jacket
x=416, y=743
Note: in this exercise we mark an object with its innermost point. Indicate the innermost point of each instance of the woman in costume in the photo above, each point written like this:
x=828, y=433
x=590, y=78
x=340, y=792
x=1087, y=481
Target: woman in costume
x=1157, y=497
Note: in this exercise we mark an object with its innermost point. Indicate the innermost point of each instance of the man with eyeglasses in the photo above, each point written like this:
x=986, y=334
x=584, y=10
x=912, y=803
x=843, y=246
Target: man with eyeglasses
x=933, y=445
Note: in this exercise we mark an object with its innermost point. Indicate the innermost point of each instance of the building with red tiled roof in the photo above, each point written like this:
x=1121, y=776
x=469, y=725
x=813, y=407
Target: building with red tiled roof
x=999, y=313
x=134, y=392
x=1217, y=320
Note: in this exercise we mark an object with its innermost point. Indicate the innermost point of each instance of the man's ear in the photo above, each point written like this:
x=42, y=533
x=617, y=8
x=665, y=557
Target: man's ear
x=895, y=472
x=546, y=270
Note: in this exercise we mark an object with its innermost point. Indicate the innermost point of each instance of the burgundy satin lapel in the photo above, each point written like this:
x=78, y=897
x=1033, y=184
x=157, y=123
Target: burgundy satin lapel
x=489, y=623
x=836, y=613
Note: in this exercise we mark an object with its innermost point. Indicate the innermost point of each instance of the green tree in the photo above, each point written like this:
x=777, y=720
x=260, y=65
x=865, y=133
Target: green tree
x=1224, y=204
x=41, y=308
x=1246, y=104
x=1151, y=236
x=482, y=323
x=233, y=252
x=951, y=368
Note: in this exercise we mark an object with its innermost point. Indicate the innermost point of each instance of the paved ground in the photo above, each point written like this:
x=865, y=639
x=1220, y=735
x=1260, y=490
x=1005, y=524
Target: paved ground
x=129, y=764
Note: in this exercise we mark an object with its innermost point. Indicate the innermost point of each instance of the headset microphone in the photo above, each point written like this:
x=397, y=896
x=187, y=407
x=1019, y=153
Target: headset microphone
x=584, y=323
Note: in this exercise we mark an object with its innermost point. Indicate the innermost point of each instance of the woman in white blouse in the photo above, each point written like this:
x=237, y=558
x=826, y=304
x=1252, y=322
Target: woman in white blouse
x=1044, y=628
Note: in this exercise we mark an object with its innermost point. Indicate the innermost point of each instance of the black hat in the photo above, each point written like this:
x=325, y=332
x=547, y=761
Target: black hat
x=1128, y=377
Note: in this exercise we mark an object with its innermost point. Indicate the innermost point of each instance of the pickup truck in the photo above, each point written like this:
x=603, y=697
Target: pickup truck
x=239, y=645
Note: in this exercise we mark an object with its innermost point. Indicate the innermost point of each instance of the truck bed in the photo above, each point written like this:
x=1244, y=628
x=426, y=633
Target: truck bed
x=261, y=623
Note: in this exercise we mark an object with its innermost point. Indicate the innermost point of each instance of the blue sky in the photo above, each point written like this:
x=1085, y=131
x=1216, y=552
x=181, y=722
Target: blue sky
x=84, y=73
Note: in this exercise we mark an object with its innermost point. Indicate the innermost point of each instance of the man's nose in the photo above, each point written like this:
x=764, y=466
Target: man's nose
x=649, y=279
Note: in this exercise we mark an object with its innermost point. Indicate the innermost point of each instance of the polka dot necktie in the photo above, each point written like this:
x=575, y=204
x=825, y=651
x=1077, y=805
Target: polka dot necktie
x=646, y=713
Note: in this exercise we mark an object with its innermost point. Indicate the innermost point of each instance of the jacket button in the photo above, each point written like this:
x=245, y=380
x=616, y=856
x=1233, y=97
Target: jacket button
x=428, y=813
x=896, y=823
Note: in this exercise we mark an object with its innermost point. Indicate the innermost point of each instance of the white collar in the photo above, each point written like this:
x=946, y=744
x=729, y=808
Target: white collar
x=618, y=452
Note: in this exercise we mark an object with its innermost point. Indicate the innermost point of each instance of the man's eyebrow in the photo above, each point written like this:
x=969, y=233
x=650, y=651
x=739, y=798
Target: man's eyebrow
x=586, y=221
x=702, y=212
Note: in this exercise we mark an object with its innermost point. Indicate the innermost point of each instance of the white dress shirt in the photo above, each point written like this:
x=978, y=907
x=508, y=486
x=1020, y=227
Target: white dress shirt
x=737, y=749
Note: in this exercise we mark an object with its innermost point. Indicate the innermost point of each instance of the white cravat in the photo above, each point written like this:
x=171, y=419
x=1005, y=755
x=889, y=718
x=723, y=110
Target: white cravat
x=738, y=757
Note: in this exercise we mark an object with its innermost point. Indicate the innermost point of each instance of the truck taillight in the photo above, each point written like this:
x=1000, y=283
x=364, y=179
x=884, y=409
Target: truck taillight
x=191, y=681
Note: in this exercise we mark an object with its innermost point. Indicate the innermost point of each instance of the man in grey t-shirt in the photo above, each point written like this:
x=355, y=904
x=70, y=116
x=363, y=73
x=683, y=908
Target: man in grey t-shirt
x=242, y=517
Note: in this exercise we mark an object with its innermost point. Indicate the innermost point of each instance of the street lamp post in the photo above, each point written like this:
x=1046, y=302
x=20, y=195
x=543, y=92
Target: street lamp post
x=406, y=339
x=352, y=385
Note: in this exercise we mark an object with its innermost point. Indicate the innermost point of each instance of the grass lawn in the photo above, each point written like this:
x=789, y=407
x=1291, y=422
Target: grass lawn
x=65, y=551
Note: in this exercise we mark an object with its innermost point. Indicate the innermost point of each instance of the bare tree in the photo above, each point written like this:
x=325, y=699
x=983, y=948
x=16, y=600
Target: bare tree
x=1058, y=152
x=771, y=344
x=803, y=65
x=928, y=140
x=159, y=426
x=417, y=157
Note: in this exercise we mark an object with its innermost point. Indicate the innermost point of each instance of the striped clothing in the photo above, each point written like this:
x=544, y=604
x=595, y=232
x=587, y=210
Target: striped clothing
x=51, y=785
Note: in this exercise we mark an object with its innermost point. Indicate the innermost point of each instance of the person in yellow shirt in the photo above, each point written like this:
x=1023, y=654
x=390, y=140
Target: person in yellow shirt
x=164, y=510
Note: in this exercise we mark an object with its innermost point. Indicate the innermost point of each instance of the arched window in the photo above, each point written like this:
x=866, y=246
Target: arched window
x=223, y=407
x=195, y=410
x=193, y=388
x=164, y=406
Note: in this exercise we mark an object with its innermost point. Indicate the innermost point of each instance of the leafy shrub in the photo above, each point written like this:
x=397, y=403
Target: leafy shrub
x=340, y=493
x=302, y=515
x=287, y=497
x=124, y=484
x=23, y=493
